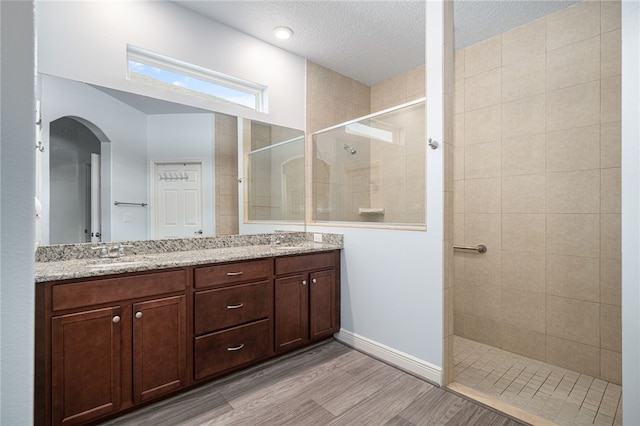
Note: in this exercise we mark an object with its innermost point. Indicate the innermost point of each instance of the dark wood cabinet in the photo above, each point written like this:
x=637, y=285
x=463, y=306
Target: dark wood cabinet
x=218, y=352
x=292, y=312
x=85, y=365
x=159, y=347
x=233, y=316
x=323, y=309
x=108, y=344
x=307, y=302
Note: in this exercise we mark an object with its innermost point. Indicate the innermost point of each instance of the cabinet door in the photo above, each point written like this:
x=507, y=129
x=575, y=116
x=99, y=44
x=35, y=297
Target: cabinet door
x=292, y=314
x=85, y=349
x=159, y=347
x=322, y=289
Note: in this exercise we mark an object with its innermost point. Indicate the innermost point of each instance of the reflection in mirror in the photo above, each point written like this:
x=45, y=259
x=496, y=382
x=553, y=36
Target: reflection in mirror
x=72, y=153
x=275, y=175
x=160, y=169
x=372, y=170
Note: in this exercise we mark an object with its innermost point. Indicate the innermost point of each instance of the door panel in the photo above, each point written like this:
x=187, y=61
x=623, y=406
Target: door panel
x=170, y=217
x=292, y=313
x=159, y=347
x=179, y=198
x=191, y=211
x=85, y=365
x=323, y=301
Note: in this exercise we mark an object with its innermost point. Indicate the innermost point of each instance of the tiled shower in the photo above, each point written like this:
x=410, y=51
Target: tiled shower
x=537, y=180
x=332, y=99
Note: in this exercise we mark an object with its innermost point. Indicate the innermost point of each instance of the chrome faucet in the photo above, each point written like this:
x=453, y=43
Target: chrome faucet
x=117, y=250
x=273, y=240
x=104, y=251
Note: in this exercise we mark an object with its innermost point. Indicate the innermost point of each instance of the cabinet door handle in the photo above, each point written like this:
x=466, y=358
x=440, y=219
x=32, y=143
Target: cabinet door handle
x=313, y=281
x=304, y=282
x=234, y=274
x=240, y=305
x=237, y=348
x=138, y=314
x=115, y=319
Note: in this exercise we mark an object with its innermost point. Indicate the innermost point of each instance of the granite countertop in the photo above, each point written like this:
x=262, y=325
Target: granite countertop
x=94, y=266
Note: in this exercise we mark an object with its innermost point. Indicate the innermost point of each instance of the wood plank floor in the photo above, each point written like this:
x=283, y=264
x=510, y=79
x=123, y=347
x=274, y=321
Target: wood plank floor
x=327, y=384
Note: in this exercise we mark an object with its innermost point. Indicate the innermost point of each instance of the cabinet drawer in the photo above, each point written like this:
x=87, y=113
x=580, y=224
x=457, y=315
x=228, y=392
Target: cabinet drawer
x=309, y=262
x=225, y=307
x=98, y=291
x=217, y=352
x=220, y=275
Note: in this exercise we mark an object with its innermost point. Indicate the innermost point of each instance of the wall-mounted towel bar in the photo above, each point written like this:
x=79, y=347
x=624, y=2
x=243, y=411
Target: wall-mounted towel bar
x=122, y=203
x=480, y=248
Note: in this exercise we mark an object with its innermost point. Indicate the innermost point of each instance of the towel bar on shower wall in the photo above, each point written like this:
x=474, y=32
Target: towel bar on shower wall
x=480, y=248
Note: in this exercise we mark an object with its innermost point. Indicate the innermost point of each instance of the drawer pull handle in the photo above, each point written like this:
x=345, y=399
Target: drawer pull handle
x=138, y=314
x=237, y=348
x=240, y=305
x=234, y=274
x=304, y=282
x=115, y=319
x=313, y=281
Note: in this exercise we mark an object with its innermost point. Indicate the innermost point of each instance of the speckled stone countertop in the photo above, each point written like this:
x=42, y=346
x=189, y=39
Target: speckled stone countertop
x=79, y=261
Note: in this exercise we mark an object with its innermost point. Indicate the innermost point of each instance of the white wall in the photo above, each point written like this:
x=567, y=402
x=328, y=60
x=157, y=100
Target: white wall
x=87, y=41
x=630, y=212
x=17, y=228
x=187, y=137
x=392, y=280
x=126, y=130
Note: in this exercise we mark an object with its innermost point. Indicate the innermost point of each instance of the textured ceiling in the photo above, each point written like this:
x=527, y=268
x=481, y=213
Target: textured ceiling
x=361, y=39
x=369, y=41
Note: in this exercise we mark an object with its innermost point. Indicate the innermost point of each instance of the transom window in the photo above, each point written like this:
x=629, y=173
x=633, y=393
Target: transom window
x=162, y=71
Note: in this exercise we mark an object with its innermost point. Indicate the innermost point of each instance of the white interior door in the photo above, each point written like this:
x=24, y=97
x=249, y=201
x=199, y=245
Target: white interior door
x=95, y=199
x=178, y=210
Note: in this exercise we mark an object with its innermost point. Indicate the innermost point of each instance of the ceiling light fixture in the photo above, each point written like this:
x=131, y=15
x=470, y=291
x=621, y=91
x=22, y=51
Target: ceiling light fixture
x=283, y=33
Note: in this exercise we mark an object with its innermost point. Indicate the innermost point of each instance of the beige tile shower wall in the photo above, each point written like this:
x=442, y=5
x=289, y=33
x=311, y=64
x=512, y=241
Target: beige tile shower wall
x=226, y=170
x=398, y=90
x=537, y=179
x=333, y=98
x=262, y=205
x=398, y=181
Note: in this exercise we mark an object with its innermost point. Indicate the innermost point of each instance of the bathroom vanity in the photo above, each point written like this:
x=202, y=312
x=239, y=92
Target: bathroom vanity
x=112, y=334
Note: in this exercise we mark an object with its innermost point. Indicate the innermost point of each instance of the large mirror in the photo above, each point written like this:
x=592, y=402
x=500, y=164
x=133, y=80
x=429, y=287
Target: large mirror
x=120, y=166
x=146, y=146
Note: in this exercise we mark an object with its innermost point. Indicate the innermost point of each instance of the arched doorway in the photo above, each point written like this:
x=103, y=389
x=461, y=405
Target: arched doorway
x=72, y=145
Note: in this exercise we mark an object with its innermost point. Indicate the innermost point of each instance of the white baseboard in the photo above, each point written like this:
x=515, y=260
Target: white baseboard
x=401, y=360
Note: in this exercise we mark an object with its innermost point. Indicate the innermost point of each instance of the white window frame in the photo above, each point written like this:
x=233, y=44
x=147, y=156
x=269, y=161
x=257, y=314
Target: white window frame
x=186, y=69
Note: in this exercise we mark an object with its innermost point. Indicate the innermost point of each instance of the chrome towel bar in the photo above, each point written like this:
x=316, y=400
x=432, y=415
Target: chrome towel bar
x=480, y=248
x=122, y=203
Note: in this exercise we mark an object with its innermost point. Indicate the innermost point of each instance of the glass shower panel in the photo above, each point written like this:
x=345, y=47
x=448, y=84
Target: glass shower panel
x=276, y=182
x=372, y=170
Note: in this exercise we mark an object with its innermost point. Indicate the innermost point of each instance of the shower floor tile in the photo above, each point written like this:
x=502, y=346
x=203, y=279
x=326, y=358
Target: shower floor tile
x=556, y=394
